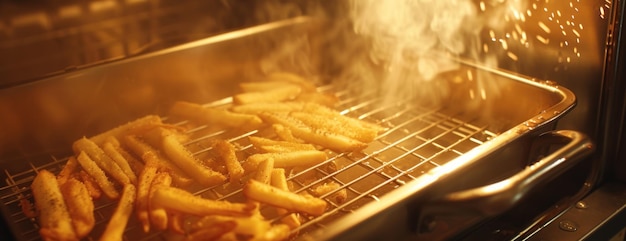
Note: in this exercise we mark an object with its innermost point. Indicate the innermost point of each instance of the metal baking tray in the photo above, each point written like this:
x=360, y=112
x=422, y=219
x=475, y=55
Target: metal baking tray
x=472, y=151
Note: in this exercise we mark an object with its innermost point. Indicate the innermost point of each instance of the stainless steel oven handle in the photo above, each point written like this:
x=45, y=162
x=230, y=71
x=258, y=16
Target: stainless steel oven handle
x=496, y=198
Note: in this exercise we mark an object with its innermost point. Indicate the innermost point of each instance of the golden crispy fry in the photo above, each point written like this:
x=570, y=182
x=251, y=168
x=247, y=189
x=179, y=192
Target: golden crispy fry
x=117, y=223
x=158, y=215
x=279, y=181
x=111, y=151
x=260, y=107
x=276, y=233
x=264, y=171
x=98, y=175
x=254, y=225
x=179, y=200
x=328, y=100
x=188, y=163
x=211, y=233
x=261, y=86
x=71, y=167
x=139, y=148
x=131, y=128
x=54, y=219
x=92, y=187
x=283, y=93
x=176, y=222
x=292, y=78
x=285, y=134
x=214, y=116
x=154, y=136
x=226, y=152
x=269, y=145
x=287, y=159
x=135, y=165
x=27, y=207
x=336, y=125
x=101, y=159
x=143, y=190
x=264, y=193
x=80, y=206
x=315, y=136
x=339, y=118
x=339, y=196
x=230, y=236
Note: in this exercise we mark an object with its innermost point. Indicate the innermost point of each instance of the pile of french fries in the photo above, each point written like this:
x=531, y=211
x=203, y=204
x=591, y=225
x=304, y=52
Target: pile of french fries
x=146, y=167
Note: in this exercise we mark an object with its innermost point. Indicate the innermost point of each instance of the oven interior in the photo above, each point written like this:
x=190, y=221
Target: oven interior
x=123, y=75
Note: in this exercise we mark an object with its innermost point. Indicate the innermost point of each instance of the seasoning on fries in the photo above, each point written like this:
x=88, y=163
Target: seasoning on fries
x=54, y=219
x=264, y=193
x=117, y=224
x=150, y=163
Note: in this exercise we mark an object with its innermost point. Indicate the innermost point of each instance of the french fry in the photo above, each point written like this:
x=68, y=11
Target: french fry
x=327, y=100
x=98, y=175
x=254, y=225
x=226, y=152
x=188, y=163
x=338, y=125
x=287, y=159
x=230, y=236
x=80, y=206
x=131, y=128
x=176, y=222
x=339, y=196
x=279, y=181
x=71, y=167
x=260, y=86
x=283, y=93
x=135, y=165
x=158, y=215
x=179, y=200
x=27, y=207
x=264, y=193
x=117, y=224
x=211, y=233
x=315, y=136
x=143, y=190
x=264, y=171
x=139, y=148
x=214, y=116
x=339, y=118
x=54, y=219
x=154, y=136
x=92, y=187
x=113, y=152
x=105, y=162
x=292, y=78
x=260, y=107
x=285, y=134
x=272, y=146
x=276, y=233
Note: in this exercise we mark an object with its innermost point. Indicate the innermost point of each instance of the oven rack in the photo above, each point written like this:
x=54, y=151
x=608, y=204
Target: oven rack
x=417, y=140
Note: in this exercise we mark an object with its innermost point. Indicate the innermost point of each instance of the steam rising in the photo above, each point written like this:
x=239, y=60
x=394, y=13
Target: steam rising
x=415, y=41
x=412, y=35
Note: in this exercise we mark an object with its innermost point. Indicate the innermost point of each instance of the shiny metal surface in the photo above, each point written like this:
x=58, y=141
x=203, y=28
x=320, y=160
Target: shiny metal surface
x=54, y=112
x=600, y=216
x=497, y=197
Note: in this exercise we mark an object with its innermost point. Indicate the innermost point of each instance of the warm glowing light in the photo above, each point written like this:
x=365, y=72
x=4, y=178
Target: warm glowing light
x=543, y=40
x=544, y=27
x=504, y=44
x=512, y=55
